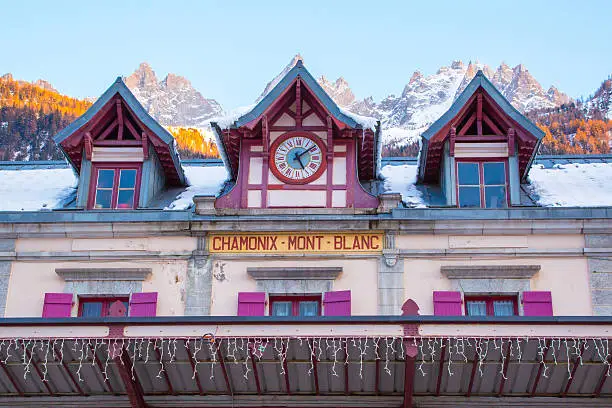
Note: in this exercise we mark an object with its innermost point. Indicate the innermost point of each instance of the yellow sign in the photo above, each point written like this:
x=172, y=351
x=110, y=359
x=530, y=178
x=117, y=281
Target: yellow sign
x=296, y=242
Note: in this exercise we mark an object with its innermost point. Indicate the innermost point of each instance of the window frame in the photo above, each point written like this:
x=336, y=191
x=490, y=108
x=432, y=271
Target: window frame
x=480, y=161
x=489, y=299
x=106, y=301
x=295, y=302
x=117, y=167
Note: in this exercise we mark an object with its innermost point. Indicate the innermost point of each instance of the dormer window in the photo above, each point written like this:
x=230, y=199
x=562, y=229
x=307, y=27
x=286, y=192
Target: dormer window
x=482, y=184
x=479, y=152
x=115, y=186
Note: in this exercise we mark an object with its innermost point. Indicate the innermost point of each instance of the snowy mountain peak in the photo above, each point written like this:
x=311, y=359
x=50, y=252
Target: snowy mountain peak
x=457, y=64
x=172, y=101
x=416, y=76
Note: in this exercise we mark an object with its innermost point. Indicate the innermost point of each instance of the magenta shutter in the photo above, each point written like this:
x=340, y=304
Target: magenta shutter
x=143, y=304
x=251, y=303
x=447, y=303
x=537, y=303
x=57, y=305
x=337, y=303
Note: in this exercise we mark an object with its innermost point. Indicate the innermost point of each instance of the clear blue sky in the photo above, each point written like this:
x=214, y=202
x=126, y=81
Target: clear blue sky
x=230, y=49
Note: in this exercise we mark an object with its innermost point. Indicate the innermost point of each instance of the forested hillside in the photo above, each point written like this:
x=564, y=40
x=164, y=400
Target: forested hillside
x=30, y=114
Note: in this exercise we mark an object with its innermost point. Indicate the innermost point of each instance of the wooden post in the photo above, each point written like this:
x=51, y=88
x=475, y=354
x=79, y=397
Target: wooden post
x=330, y=162
x=511, y=142
x=298, y=103
x=132, y=386
x=265, y=130
x=479, y=114
x=119, y=120
x=410, y=352
x=453, y=137
x=145, y=145
x=88, y=142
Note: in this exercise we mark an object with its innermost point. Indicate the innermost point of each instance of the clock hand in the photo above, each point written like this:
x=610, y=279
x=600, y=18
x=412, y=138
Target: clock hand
x=296, y=157
x=306, y=151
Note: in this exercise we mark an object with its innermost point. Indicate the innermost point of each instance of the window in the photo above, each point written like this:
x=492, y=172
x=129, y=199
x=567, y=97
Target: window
x=115, y=187
x=295, y=305
x=482, y=184
x=491, y=306
x=103, y=306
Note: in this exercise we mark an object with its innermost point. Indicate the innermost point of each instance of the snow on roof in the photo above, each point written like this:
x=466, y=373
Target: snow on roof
x=402, y=179
x=202, y=181
x=29, y=187
x=572, y=185
x=366, y=122
x=228, y=120
x=33, y=190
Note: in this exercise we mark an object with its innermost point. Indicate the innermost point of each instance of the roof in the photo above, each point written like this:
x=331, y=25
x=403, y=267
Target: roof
x=352, y=120
x=480, y=80
x=554, y=181
x=335, y=367
x=119, y=87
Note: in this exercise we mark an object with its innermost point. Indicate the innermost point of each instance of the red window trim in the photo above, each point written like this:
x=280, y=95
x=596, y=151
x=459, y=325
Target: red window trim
x=93, y=182
x=489, y=302
x=106, y=300
x=480, y=161
x=295, y=302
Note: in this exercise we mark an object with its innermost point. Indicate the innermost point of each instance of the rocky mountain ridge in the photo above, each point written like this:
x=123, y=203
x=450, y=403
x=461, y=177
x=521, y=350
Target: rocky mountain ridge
x=173, y=101
x=425, y=98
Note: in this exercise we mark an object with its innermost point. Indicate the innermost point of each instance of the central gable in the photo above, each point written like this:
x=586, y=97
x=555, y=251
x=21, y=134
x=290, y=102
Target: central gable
x=297, y=148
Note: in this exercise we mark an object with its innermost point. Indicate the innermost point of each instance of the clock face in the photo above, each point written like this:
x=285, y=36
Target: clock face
x=297, y=158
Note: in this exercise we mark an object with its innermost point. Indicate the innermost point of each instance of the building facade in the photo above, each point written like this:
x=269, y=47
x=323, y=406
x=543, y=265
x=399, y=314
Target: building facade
x=303, y=269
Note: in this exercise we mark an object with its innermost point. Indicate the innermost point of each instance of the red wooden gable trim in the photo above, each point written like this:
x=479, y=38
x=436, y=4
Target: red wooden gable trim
x=117, y=116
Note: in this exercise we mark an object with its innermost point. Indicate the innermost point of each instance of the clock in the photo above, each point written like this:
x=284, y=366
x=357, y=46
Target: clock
x=297, y=158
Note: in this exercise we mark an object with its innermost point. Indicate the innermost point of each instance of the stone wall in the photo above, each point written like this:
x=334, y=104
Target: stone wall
x=600, y=271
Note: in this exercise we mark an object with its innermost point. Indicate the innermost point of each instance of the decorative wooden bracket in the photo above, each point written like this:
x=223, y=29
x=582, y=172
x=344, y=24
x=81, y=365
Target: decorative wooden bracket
x=511, y=142
x=88, y=142
x=145, y=145
x=453, y=138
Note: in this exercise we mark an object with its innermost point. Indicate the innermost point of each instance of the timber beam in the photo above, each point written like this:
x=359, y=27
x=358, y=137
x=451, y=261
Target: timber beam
x=132, y=385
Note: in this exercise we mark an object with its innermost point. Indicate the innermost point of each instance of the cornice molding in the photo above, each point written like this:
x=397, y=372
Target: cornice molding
x=490, y=271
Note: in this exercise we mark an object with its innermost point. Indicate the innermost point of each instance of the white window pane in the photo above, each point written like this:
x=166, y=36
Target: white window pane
x=281, y=309
x=310, y=308
x=503, y=308
x=476, y=308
